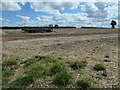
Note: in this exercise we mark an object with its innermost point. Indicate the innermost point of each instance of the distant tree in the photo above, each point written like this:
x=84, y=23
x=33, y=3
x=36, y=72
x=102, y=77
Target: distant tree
x=56, y=25
x=113, y=23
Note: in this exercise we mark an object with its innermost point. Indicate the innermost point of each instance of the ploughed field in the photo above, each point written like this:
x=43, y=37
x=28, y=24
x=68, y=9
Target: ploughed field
x=85, y=58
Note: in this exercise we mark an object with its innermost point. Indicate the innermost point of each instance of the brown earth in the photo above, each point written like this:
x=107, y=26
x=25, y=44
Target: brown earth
x=91, y=45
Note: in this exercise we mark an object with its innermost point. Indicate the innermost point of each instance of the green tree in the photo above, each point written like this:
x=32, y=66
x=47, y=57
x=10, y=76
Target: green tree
x=113, y=23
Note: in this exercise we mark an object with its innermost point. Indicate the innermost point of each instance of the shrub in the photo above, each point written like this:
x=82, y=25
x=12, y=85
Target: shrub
x=22, y=82
x=57, y=67
x=78, y=64
x=99, y=67
x=62, y=78
x=84, y=83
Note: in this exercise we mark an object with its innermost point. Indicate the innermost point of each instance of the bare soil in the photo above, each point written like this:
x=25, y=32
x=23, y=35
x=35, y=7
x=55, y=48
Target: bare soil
x=91, y=45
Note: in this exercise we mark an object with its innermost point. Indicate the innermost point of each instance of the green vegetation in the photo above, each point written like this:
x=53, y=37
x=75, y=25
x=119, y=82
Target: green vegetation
x=22, y=82
x=10, y=62
x=57, y=68
x=30, y=61
x=37, y=59
x=78, y=64
x=62, y=78
x=84, y=83
x=37, y=69
x=4, y=80
x=43, y=67
x=6, y=73
x=99, y=67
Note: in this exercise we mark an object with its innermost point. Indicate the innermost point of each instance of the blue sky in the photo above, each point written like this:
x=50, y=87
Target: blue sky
x=96, y=14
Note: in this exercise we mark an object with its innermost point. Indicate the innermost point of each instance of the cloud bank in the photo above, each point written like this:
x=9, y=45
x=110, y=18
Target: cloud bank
x=90, y=13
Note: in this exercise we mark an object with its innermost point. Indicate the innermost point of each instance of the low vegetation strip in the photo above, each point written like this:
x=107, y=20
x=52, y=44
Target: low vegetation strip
x=39, y=67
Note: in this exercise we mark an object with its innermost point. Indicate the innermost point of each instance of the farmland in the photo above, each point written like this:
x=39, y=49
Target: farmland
x=93, y=46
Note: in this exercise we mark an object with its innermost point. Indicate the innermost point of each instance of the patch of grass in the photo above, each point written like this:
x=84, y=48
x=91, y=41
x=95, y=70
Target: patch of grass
x=57, y=68
x=49, y=60
x=10, y=62
x=84, y=83
x=37, y=59
x=30, y=61
x=37, y=69
x=22, y=82
x=62, y=78
x=6, y=72
x=78, y=64
x=99, y=67
x=4, y=80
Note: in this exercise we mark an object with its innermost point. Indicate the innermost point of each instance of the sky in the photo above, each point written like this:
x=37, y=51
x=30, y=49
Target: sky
x=78, y=14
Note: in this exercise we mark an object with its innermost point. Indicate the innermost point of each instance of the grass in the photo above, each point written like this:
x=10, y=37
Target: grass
x=78, y=64
x=4, y=80
x=37, y=69
x=99, y=67
x=40, y=67
x=84, y=83
x=37, y=59
x=22, y=82
x=57, y=68
x=62, y=79
x=30, y=61
x=6, y=72
x=10, y=62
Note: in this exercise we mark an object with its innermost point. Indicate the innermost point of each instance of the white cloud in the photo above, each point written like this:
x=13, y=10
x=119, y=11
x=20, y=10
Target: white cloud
x=92, y=13
x=1, y=19
x=11, y=6
x=38, y=18
x=53, y=7
x=23, y=17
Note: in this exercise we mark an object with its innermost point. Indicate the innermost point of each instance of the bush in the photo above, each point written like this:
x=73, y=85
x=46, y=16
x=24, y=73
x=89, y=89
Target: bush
x=99, y=67
x=22, y=82
x=78, y=64
x=57, y=67
x=62, y=78
x=84, y=83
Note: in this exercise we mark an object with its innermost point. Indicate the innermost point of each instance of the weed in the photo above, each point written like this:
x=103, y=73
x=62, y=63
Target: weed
x=62, y=78
x=78, y=64
x=99, y=67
